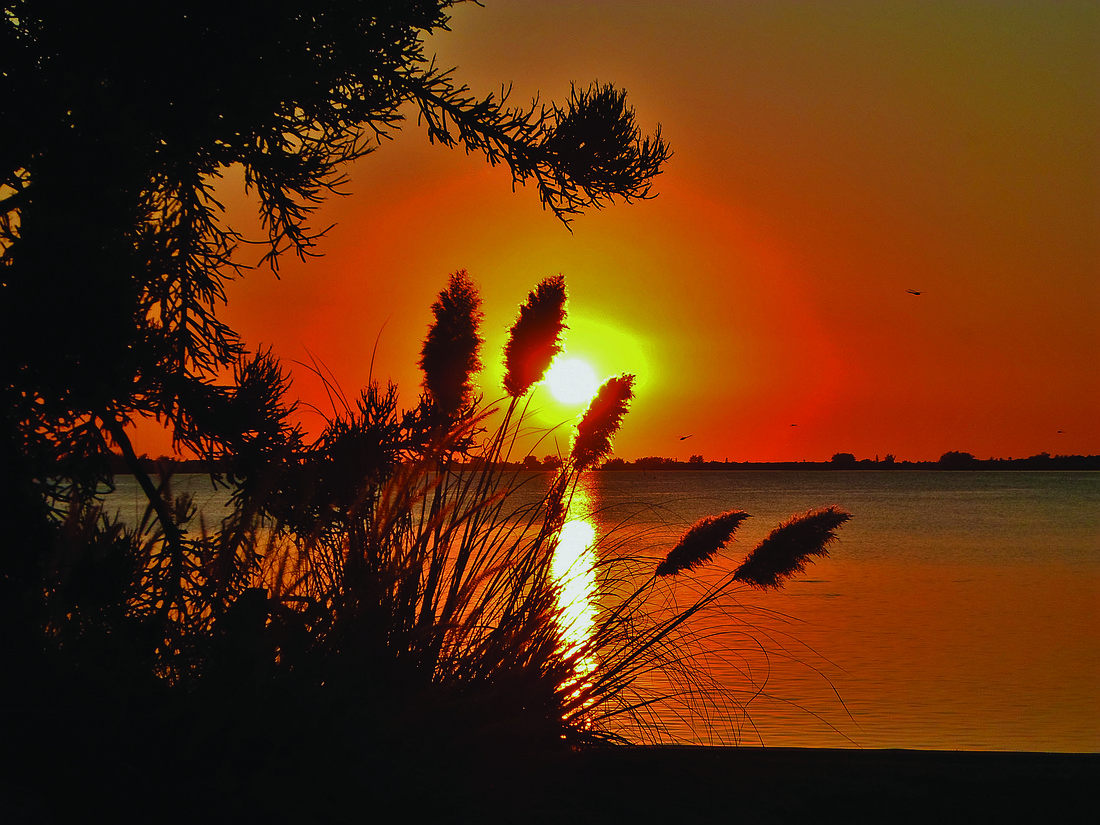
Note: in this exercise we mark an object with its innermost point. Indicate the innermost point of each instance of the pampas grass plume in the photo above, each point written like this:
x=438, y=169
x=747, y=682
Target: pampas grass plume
x=699, y=544
x=535, y=337
x=450, y=355
x=600, y=421
x=787, y=549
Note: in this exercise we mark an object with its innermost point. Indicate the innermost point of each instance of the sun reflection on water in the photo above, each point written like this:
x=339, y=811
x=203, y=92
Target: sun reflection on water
x=574, y=569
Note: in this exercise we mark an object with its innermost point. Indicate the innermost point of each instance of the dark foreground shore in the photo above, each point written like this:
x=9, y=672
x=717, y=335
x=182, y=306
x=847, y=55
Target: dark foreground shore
x=602, y=785
x=780, y=785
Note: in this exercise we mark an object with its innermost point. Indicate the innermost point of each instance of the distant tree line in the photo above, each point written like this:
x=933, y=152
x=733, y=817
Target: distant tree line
x=847, y=461
x=952, y=460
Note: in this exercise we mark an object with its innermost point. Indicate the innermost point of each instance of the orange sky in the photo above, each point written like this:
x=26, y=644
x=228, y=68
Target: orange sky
x=828, y=156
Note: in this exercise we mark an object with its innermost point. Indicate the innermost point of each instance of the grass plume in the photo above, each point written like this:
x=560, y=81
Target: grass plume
x=699, y=544
x=535, y=337
x=787, y=549
x=393, y=583
x=601, y=421
x=450, y=355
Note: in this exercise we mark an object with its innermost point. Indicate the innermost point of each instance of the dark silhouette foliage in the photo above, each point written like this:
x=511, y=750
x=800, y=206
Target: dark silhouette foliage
x=121, y=126
x=113, y=148
x=376, y=605
x=955, y=460
x=366, y=593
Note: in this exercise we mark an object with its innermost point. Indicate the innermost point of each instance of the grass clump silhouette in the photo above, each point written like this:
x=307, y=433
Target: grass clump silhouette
x=381, y=602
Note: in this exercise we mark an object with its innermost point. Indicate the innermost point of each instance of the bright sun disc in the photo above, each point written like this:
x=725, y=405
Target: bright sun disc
x=572, y=381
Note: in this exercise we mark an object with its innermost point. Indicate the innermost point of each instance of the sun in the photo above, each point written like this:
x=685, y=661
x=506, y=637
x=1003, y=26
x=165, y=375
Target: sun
x=571, y=381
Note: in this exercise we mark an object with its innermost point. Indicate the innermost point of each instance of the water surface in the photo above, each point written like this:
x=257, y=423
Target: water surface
x=959, y=610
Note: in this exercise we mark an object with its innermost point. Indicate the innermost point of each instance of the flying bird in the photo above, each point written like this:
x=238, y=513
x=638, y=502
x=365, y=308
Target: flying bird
x=913, y=291
x=685, y=437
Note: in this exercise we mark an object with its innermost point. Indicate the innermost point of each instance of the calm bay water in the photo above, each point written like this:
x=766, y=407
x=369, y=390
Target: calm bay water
x=959, y=610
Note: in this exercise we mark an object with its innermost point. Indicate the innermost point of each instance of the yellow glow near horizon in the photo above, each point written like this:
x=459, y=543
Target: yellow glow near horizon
x=572, y=381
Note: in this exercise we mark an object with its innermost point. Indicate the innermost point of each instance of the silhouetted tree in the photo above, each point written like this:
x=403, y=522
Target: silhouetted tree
x=654, y=462
x=119, y=122
x=955, y=460
x=843, y=460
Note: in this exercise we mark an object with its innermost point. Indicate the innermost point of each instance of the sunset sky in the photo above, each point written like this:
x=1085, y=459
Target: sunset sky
x=828, y=157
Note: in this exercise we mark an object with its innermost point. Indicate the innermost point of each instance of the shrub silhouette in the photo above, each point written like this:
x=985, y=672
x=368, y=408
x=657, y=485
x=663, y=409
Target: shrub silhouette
x=385, y=583
x=122, y=123
x=372, y=593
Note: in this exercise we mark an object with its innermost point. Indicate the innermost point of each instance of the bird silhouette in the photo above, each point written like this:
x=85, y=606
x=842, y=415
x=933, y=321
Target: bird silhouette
x=913, y=291
x=685, y=437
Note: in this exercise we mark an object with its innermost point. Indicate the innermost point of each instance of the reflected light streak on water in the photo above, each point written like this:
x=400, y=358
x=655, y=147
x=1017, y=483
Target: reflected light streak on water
x=574, y=568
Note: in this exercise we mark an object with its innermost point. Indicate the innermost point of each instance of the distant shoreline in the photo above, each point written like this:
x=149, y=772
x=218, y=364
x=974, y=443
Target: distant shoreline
x=995, y=464
x=951, y=462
